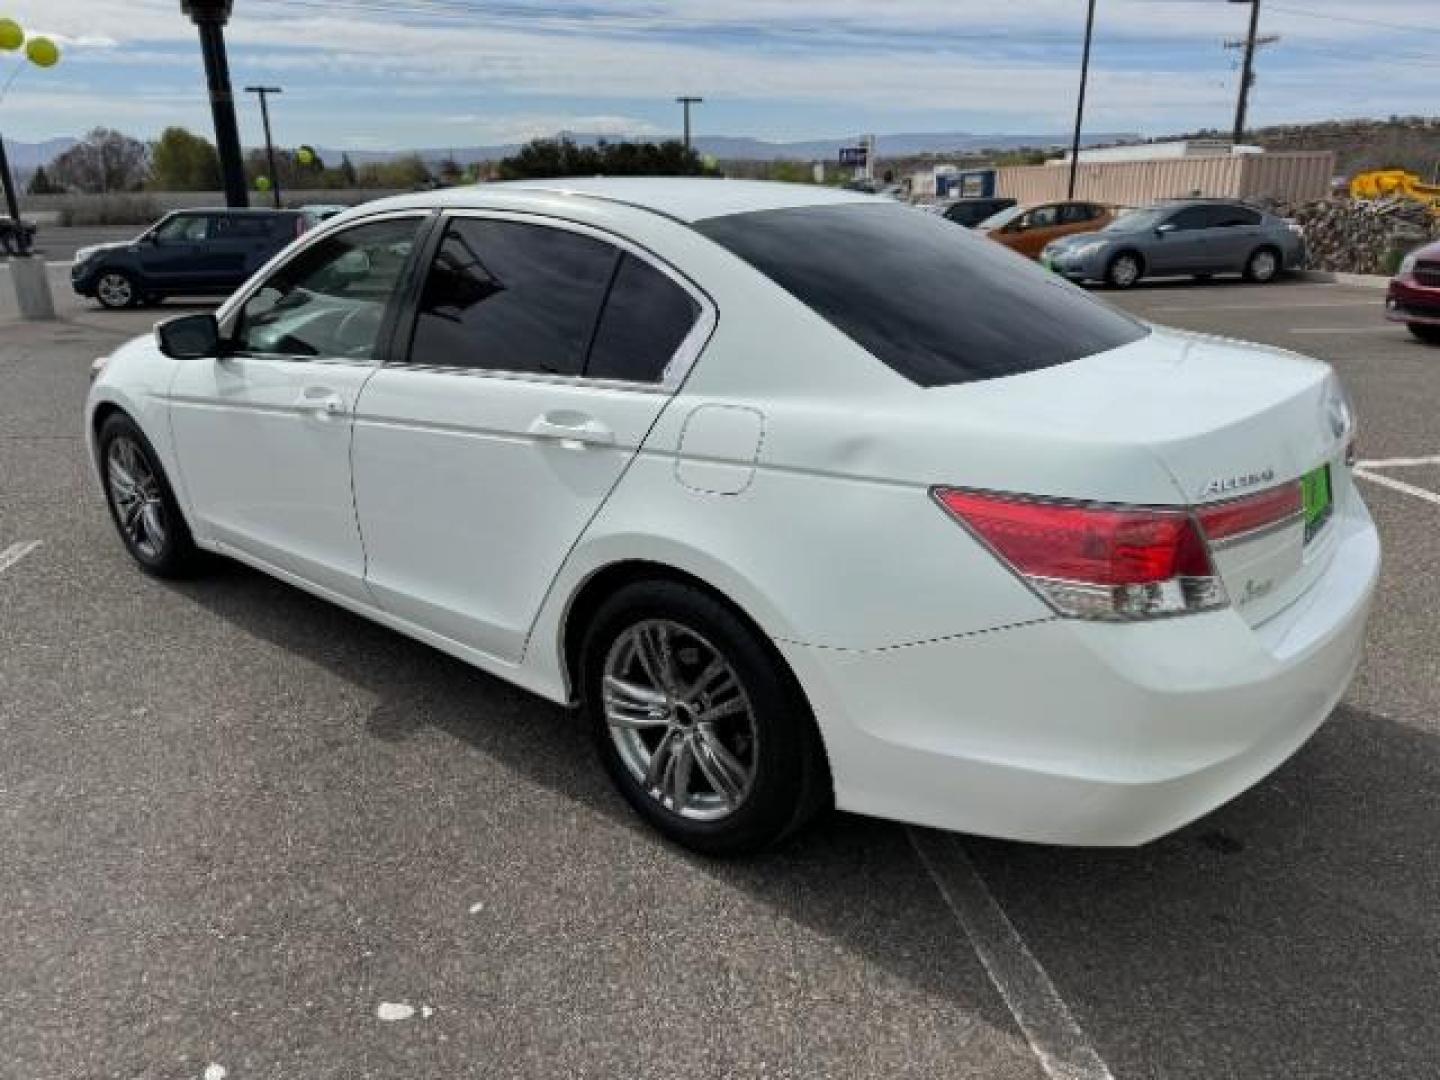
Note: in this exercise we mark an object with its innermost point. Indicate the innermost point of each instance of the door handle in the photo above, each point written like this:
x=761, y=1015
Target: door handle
x=572, y=430
x=321, y=401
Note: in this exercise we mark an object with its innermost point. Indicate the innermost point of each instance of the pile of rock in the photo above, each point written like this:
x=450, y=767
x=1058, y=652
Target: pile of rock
x=1356, y=236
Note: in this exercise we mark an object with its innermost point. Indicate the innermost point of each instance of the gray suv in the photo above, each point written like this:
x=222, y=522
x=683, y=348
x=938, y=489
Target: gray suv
x=1195, y=237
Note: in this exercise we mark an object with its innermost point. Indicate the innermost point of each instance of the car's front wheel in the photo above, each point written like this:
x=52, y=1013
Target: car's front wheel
x=1426, y=332
x=1124, y=270
x=142, y=503
x=116, y=290
x=697, y=720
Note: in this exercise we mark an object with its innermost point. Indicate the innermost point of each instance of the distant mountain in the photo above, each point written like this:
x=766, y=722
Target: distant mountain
x=24, y=157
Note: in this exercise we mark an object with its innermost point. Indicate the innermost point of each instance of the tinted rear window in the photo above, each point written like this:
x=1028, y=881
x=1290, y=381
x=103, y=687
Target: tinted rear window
x=937, y=304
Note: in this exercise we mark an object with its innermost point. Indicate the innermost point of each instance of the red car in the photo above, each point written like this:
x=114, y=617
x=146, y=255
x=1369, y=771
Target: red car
x=1415, y=294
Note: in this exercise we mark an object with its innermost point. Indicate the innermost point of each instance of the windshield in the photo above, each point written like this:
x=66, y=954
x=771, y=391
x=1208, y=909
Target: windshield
x=937, y=304
x=1138, y=220
x=1003, y=218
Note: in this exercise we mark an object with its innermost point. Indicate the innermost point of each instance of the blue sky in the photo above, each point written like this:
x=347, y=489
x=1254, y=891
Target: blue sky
x=437, y=73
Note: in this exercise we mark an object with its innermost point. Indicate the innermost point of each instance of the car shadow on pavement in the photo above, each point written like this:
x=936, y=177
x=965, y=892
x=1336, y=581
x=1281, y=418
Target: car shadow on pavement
x=1293, y=929
x=855, y=881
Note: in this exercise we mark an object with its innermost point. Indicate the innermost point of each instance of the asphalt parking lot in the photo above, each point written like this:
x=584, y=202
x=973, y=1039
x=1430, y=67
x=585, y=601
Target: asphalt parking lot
x=245, y=830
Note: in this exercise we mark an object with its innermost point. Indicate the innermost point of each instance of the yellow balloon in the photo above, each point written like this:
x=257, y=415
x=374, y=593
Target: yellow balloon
x=305, y=156
x=262, y=183
x=11, y=36
x=42, y=52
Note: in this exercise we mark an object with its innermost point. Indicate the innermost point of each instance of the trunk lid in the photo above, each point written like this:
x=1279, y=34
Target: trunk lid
x=1220, y=419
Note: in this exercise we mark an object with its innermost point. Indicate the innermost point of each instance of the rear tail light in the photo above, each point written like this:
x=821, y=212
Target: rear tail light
x=1096, y=561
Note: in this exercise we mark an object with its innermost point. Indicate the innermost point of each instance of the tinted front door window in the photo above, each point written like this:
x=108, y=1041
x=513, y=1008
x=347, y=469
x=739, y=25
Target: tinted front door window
x=509, y=296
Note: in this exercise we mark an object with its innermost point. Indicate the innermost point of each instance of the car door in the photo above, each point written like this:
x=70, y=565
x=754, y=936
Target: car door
x=541, y=354
x=235, y=247
x=1234, y=235
x=1037, y=228
x=1074, y=218
x=262, y=432
x=1180, y=245
x=168, y=254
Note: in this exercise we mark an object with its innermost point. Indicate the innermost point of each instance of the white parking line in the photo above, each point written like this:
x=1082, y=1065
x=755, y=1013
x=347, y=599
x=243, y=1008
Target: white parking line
x=1267, y=307
x=15, y=552
x=1399, y=462
x=1399, y=485
x=1061, y=1047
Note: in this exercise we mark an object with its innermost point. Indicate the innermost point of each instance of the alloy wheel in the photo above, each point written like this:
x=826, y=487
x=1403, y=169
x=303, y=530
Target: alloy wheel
x=115, y=290
x=1125, y=272
x=680, y=719
x=135, y=494
x=1263, y=265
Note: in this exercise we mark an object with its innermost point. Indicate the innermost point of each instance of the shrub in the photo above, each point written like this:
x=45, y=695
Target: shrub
x=91, y=210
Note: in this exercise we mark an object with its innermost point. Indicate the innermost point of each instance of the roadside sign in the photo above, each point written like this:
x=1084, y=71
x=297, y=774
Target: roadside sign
x=853, y=155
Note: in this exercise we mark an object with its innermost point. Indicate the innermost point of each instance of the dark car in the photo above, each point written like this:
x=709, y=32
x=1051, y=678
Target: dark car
x=970, y=212
x=1192, y=237
x=1414, y=297
x=186, y=253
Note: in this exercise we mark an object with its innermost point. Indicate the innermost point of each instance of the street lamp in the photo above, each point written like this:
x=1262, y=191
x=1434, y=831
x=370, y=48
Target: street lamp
x=264, y=92
x=210, y=16
x=687, y=102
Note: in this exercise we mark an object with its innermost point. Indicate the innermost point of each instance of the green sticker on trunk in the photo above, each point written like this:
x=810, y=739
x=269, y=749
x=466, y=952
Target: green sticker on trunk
x=1317, y=499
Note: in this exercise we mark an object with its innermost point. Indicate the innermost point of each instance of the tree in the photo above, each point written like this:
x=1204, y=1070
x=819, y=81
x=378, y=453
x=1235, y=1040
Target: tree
x=563, y=157
x=404, y=172
x=41, y=184
x=347, y=171
x=105, y=161
x=180, y=161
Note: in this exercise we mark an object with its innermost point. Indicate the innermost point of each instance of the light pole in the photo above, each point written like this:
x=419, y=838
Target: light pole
x=1247, y=75
x=210, y=16
x=687, y=102
x=264, y=92
x=1080, y=105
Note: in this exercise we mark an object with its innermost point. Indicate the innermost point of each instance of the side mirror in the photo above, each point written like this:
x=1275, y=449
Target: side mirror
x=189, y=337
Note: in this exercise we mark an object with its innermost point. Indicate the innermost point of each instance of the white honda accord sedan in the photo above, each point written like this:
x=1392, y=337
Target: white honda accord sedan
x=802, y=497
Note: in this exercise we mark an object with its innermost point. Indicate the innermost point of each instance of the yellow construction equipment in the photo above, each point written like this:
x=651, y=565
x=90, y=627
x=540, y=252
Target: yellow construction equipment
x=1395, y=183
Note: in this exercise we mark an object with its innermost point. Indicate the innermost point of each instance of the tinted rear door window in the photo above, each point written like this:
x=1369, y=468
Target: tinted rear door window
x=937, y=304
x=508, y=296
x=646, y=318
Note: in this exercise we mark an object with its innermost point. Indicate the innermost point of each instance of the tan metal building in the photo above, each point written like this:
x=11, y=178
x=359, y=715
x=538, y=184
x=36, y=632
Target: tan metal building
x=1291, y=177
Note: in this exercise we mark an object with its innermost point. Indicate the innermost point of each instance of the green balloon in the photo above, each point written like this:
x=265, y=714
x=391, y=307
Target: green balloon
x=42, y=52
x=262, y=183
x=11, y=36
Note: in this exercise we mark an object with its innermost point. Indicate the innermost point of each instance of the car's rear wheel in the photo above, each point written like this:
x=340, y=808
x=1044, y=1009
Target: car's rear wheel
x=697, y=720
x=1263, y=266
x=1124, y=271
x=142, y=503
x=1426, y=332
x=116, y=290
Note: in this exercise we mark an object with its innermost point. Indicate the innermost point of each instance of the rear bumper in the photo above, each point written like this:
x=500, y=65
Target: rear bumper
x=1091, y=734
x=1409, y=302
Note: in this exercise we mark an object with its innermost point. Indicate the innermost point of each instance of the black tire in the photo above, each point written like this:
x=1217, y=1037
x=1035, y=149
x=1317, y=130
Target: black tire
x=117, y=290
x=1264, y=265
x=1426, y=332
x=788, y=781
x=159, y=539
x=1124, y=270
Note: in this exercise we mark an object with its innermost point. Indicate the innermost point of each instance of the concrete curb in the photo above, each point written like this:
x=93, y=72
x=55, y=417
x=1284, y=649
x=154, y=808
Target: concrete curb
x=1360, y=281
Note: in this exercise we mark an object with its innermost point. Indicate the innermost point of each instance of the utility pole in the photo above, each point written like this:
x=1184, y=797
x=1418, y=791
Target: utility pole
x=687, y=102
x=1247, y=75
x=1080, y=105
x=264, y=93
x=210, y=16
